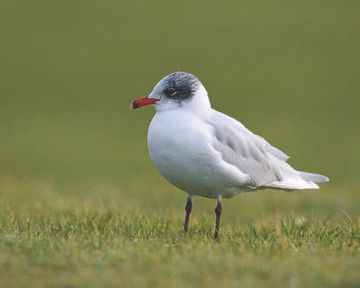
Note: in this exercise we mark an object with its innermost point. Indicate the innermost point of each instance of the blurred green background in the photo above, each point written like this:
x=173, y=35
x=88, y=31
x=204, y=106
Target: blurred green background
x=289, y=70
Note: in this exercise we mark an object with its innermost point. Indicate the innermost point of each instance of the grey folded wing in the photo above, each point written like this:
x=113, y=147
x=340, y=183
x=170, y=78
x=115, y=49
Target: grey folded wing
x=250, y=153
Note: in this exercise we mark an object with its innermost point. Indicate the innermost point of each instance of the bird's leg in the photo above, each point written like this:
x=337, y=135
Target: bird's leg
x=188, y=208
x=218, y=211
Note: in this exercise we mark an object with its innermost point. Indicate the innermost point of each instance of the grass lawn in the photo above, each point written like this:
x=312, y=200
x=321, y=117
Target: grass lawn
x=50, y=237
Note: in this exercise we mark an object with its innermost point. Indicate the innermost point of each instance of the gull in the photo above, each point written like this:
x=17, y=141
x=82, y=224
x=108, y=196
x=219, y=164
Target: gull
x=207, y=153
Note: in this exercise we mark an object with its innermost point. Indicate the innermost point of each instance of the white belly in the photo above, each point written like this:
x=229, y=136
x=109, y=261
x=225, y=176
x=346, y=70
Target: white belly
x=184, y=156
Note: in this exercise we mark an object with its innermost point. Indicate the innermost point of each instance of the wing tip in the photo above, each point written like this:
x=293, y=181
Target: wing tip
x=312, y=177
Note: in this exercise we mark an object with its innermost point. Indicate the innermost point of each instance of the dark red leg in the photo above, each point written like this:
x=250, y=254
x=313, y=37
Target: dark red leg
x=188, y=208
x=218, y=211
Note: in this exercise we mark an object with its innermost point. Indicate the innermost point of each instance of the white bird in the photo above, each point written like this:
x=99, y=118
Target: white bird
x=207, y=153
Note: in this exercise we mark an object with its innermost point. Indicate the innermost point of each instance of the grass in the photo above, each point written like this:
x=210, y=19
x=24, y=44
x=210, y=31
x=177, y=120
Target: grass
x=50, y=237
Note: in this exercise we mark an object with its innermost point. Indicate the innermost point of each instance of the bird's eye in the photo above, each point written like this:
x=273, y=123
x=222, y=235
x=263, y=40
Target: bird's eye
x=170, y=91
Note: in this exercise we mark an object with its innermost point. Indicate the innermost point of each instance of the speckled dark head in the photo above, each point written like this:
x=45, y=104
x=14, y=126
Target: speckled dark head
x=180, y=86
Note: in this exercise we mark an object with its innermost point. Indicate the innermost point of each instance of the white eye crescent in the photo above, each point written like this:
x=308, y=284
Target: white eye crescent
x=170, y=91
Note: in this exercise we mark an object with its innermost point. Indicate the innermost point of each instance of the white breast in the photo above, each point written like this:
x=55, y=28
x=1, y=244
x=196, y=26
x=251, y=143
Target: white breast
x=179, y=144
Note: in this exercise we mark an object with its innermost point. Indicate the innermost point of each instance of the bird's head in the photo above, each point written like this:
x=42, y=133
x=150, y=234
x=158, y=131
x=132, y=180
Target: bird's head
x=177, y=90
